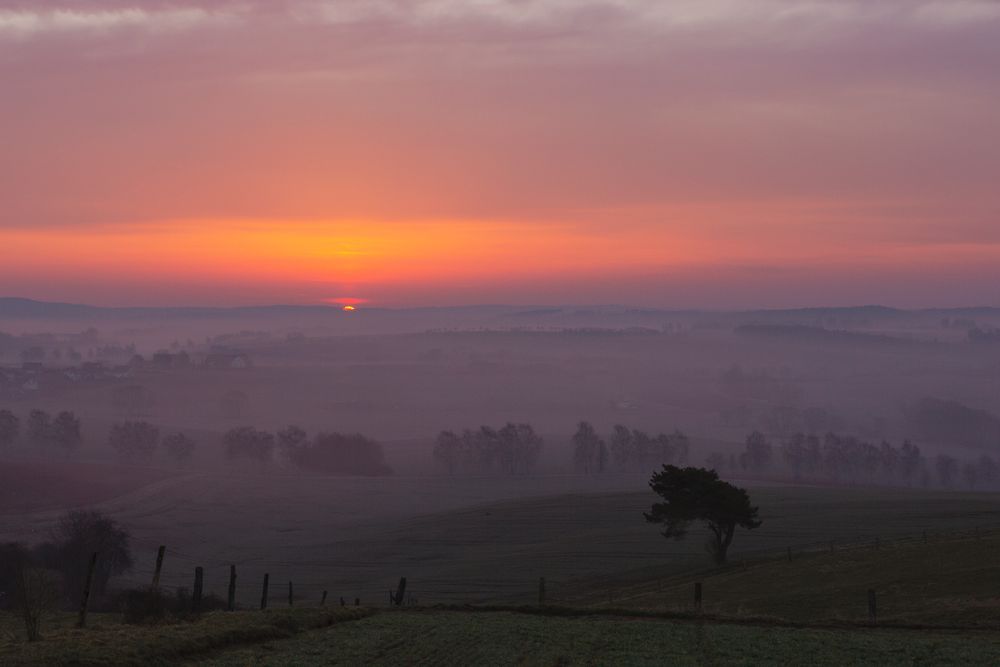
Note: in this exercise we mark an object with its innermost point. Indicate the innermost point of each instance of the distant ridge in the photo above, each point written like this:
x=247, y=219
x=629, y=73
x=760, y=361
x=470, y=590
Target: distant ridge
x=18, y=307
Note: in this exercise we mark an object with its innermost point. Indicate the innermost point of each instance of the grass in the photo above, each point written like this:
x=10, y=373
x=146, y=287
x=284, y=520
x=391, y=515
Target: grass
x=494, y=638
x=448, y=637
x=108, y=642
x=946, y=581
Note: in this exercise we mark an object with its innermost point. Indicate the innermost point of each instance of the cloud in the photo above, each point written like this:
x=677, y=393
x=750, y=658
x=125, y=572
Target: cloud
x=24, y=23
x=653, y=14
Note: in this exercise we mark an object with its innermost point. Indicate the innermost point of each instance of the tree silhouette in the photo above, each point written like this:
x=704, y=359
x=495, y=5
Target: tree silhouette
x=10, y=426
x=134, y=441
x=696, y=494
x=589, y=451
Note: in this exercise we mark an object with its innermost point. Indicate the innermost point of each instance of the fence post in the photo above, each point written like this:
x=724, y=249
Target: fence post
x=82, y=620
x=697, y=595
x=343, y=602
x=263, y=594
x=872, y=610
x=196, y=595
x=159, y=565
x=541, y=591
x=357, y=602
x=789, y=554
x=400, y=591
x=322, y=602
x=291, y=596
x=232, y=588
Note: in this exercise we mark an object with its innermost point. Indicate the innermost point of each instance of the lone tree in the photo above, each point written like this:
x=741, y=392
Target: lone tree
x=696, y=494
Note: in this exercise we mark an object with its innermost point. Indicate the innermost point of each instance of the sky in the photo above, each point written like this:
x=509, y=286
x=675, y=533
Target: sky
x=696, y=153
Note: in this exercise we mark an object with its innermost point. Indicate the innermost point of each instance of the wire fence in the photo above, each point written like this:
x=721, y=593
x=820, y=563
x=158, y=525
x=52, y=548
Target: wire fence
x=346, y=580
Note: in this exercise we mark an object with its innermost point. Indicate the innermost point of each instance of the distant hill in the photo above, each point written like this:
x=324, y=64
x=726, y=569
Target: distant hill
x=22, y=308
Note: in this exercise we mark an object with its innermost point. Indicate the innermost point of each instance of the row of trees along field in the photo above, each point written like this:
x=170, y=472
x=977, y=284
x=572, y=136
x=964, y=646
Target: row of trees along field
x=42, y=429
x=511, y=450
x=137, y=442
x=845, y=459
x=630, y=449
x=332, y=453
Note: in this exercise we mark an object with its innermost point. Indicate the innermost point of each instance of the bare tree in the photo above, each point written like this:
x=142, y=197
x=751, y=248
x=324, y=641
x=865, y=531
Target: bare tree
x=587, y=446
x=66, y=432
x=37, y=595
x=448, y=451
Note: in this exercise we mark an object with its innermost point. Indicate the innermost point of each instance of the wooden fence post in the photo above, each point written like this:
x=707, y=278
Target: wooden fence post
x=697, y=595
x=198, y=582
x=291, y=596
x=400, y=591
x=263, y=594
x=231, y=605
x=343, y=602
x=322, y=602
x=541, y=591
x=159, y=565
x=357, y=602
x=872, y=610
x=82, y=620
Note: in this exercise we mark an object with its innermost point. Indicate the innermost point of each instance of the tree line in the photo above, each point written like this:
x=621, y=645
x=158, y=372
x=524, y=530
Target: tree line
x=331, y=453
x=42, y=429
x=846, y=459
x=627, y=449
x=512, y=449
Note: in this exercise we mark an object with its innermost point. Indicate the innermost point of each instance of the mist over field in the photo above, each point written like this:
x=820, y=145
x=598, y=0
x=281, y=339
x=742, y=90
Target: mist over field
x=319, y=439
x=435, y=456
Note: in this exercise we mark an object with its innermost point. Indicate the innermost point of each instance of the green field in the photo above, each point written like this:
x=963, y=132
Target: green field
x=479, y=540
x=619, y=592
x=498, y=638
x=952, y=581
x=440, y=637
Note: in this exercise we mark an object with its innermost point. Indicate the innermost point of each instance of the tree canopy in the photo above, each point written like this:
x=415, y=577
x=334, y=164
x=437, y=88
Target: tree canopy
x=696, y=494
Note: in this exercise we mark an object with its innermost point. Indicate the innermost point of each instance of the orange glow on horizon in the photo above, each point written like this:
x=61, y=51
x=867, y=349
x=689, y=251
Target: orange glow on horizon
x=379, y=258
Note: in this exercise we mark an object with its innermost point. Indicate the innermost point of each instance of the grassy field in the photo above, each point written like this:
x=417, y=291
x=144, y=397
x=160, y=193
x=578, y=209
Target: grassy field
x=499, y=638
x=108, y=641
x=945, y=581
x=440, y=637
x=474, y=540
